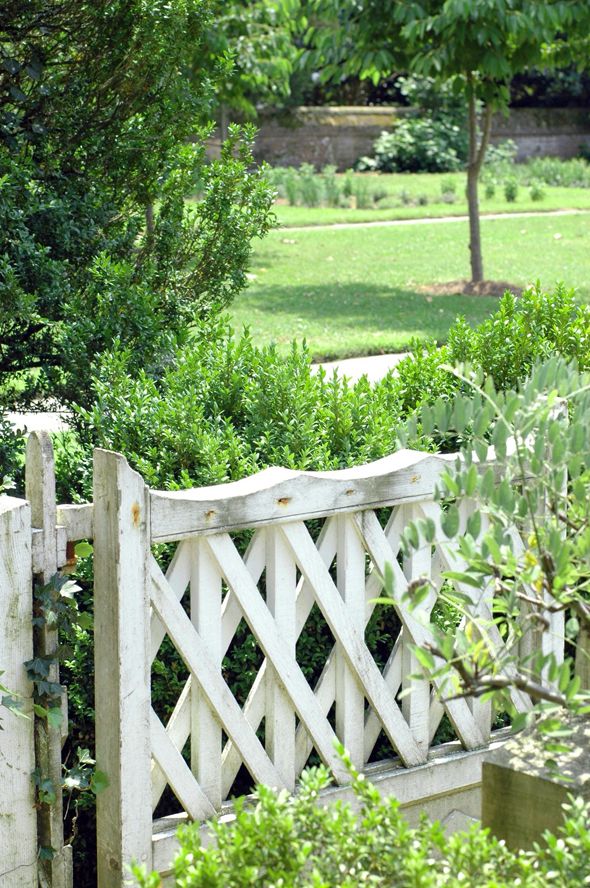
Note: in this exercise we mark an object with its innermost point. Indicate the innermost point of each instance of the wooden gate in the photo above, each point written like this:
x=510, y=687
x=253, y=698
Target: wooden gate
x=318, y=541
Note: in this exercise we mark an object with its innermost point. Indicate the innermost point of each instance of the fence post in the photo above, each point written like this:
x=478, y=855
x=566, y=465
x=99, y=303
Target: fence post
x=18, y=819
x=583, y=657
x=122, y=667
x=40, y=491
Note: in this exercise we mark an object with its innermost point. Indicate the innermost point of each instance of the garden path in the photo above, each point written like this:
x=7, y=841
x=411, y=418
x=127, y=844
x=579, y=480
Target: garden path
x=427, y=220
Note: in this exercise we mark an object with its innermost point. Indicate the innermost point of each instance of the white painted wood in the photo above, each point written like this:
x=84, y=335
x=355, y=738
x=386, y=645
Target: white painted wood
x=205, y=604
x=40, y=491
x=18, y=819
x=277, y=650
x=254, y=708
x=416, y=704
x=381, y=554
x=281, y=593
x=178, y=575
x=178, y=774
x=122, y=667
x=77, y=521
x=276, y=495
x=178, y=729
x=196, y=657
x=352, y=643
x=350, y=698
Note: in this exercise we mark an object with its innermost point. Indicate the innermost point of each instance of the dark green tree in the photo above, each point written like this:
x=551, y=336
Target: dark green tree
x=257, y=38
x=99, y=105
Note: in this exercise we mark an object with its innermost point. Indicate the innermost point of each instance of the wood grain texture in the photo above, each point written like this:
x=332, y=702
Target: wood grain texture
x=40, y=491
x=122, y=676
x=276, y=495
x=18, y=819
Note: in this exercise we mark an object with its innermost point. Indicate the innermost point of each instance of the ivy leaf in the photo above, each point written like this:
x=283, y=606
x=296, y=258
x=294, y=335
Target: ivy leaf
x=98, y=782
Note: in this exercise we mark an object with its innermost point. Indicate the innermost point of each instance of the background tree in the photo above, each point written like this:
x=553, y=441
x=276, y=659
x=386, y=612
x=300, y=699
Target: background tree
x=478, y=47
x=257, y=38
x=99, y=103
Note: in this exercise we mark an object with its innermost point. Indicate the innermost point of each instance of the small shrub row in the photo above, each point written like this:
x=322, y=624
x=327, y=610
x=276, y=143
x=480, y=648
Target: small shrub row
x=304, y=186
x=294, y=841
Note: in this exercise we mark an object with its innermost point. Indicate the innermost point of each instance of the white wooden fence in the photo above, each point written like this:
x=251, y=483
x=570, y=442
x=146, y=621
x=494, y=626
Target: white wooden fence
x=199, y=602
x=209, y=587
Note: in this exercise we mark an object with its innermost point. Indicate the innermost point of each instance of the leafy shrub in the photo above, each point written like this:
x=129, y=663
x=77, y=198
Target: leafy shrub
x=523, y=331
x=501, y=153
x=572, y=173
x=11, y=457
x=310, y=186
x=348, y=187
x=291, y=185
x=418, y=144
x=294, y=841
x=490, y=190
x=536, y=191
x=448, y=186
x=332, y=186
x=361, y=193
x=511, y=189
x=432, y=140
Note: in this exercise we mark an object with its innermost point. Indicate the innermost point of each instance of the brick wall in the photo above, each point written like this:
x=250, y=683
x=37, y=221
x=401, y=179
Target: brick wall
x=340, y=135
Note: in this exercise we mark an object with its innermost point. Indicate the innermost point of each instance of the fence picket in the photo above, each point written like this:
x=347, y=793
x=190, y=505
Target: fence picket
x=18, y=819
x=40, y=491
x=122, y=667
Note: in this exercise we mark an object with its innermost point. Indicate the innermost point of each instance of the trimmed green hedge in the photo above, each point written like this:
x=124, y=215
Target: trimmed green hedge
x=293, y=842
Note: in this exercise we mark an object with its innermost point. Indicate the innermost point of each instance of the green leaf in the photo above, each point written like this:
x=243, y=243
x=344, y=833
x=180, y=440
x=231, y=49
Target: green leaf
x=461, y=577
x=450, y=521
x=98, y=782
x=425, y=658
x=55, y=717
x=83, y=549
x=474, y=525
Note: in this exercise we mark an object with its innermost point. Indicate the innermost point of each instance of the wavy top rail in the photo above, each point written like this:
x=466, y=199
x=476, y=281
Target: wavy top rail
x=278, y=494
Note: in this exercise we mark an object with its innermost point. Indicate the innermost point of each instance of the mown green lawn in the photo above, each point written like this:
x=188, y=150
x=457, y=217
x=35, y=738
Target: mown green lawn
x=427, y=186
x=356, y=291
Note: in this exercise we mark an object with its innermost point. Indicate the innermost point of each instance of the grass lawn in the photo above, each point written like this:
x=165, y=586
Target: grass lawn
x=354, y=292
x=427, y=186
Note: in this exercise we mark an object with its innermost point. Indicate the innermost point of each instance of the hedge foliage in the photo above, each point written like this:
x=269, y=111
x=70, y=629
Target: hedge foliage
x=289, y=841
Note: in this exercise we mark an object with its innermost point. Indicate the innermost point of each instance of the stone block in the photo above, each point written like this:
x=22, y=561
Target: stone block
x=522, y=797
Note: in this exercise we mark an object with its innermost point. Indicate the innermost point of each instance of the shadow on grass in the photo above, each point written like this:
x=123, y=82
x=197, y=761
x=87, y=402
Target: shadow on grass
x=356, y=310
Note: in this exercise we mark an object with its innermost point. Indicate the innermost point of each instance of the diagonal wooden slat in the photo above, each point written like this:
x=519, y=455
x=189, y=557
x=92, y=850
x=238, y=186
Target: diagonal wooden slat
x=275, y=649
x=392, y=675
x=381, y=554
x=254, y=706
x=196, y=657
x=231, y=614
x=178, y=774
x=353, y=643
x=325, y=687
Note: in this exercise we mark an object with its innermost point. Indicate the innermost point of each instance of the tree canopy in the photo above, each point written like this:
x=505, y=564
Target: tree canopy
x=478, y=47
x=100, y=103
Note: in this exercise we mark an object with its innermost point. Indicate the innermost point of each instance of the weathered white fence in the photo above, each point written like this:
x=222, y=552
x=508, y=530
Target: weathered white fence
x=336, y=564
x=199, y=602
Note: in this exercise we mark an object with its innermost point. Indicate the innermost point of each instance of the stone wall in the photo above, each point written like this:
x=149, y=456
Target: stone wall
x=340, y=135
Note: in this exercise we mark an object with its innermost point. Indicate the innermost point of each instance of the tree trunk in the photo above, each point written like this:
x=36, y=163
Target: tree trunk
x=224, y=122
x=474, y=165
